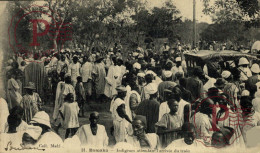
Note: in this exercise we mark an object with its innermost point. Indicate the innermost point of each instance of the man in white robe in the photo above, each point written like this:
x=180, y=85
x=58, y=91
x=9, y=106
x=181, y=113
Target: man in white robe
x=93, y=134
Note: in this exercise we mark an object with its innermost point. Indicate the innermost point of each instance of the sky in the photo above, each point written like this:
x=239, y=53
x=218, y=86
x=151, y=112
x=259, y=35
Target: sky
x=186, y=8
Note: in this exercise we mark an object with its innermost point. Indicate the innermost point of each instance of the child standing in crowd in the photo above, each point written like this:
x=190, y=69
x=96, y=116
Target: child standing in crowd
x=80, y=94
x=170, y=124
x=31, y=102
x=69, y=112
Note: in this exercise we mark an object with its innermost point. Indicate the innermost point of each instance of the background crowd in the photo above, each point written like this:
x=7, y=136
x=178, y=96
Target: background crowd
x=155, y=100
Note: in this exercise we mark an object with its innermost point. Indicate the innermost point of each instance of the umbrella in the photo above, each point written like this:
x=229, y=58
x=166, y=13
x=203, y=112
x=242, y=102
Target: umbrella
x=256, y=46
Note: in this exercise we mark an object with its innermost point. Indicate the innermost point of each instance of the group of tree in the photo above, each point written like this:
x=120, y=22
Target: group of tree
x=103, y=22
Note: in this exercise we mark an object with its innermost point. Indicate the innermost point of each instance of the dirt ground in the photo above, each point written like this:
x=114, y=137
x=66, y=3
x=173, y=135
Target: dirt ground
x=102, y=108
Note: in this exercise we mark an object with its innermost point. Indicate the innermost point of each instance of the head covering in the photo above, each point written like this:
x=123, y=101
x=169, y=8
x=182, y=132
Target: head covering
x=142, y=75
x=167, y=74
x=141, y=118
x=141, y=55
x=245, y=93
x=227, y=132
x=30, y=85
x=121, y=88
x=152, y=88
x=41, y=117
x=178, y=59
x=67, y=75
x=220, y=83
x=34, y=131
x=255, y=68
x=99, y=58
x=243, y=61
x=135, y=54
x=231, y=63
x=137, y=66
x=150, y=72
x=225, y=74
x=10, y=61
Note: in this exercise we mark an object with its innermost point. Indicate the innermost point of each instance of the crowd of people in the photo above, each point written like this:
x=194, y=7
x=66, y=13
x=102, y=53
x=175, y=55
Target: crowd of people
x=155, y=101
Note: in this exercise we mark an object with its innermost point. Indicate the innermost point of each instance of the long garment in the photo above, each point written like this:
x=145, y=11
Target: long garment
x=13, y=96
x=203, y=125
x=64, y=90
x=61, y=67
x=131, y=96
x=120, y=128
x=149, y=109
x=86, y=73
x=250, y=121
x=195, y=86
x=232, y=90
x=113, y=80
x=4, y=113
x=57, y=105
x=87, y=138
x=232, y=121
x=169, y=122
x=99, y=80
x=34, y=72
x=70, y=112
x=31, y=105
x=74, y=71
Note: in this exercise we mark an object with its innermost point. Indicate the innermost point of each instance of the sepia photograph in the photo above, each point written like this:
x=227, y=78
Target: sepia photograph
x=130, y=76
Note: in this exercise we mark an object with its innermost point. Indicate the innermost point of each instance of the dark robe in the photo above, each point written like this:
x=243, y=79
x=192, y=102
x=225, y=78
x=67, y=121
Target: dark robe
x=149, y=109
x=34, y=72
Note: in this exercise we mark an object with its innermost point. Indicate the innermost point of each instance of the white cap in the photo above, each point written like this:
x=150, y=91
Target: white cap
x=135, y=54
x=142, y=75
x=141, y=55
x=168, y=74
x=245, y=93
x=34, y=131
x=243, y=61
x=137, y=66
x=150, y=72
x=152, y=88
x=225, y=74
x=178, y=59
x=41, y=117
x=255, y=68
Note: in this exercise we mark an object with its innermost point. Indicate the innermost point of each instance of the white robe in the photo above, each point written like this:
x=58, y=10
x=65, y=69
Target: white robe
x=120, y=126
x=88, y=139
x=4, y=113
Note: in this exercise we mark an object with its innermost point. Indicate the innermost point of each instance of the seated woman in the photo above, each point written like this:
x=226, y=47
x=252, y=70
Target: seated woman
x=170, y=124
x=140, y=139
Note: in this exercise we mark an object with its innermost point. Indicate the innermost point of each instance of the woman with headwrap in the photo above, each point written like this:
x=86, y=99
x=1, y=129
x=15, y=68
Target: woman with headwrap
x=141, y=139
x=232, y=89
x=119, y=116
x=14, y=97
x=132, y=100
